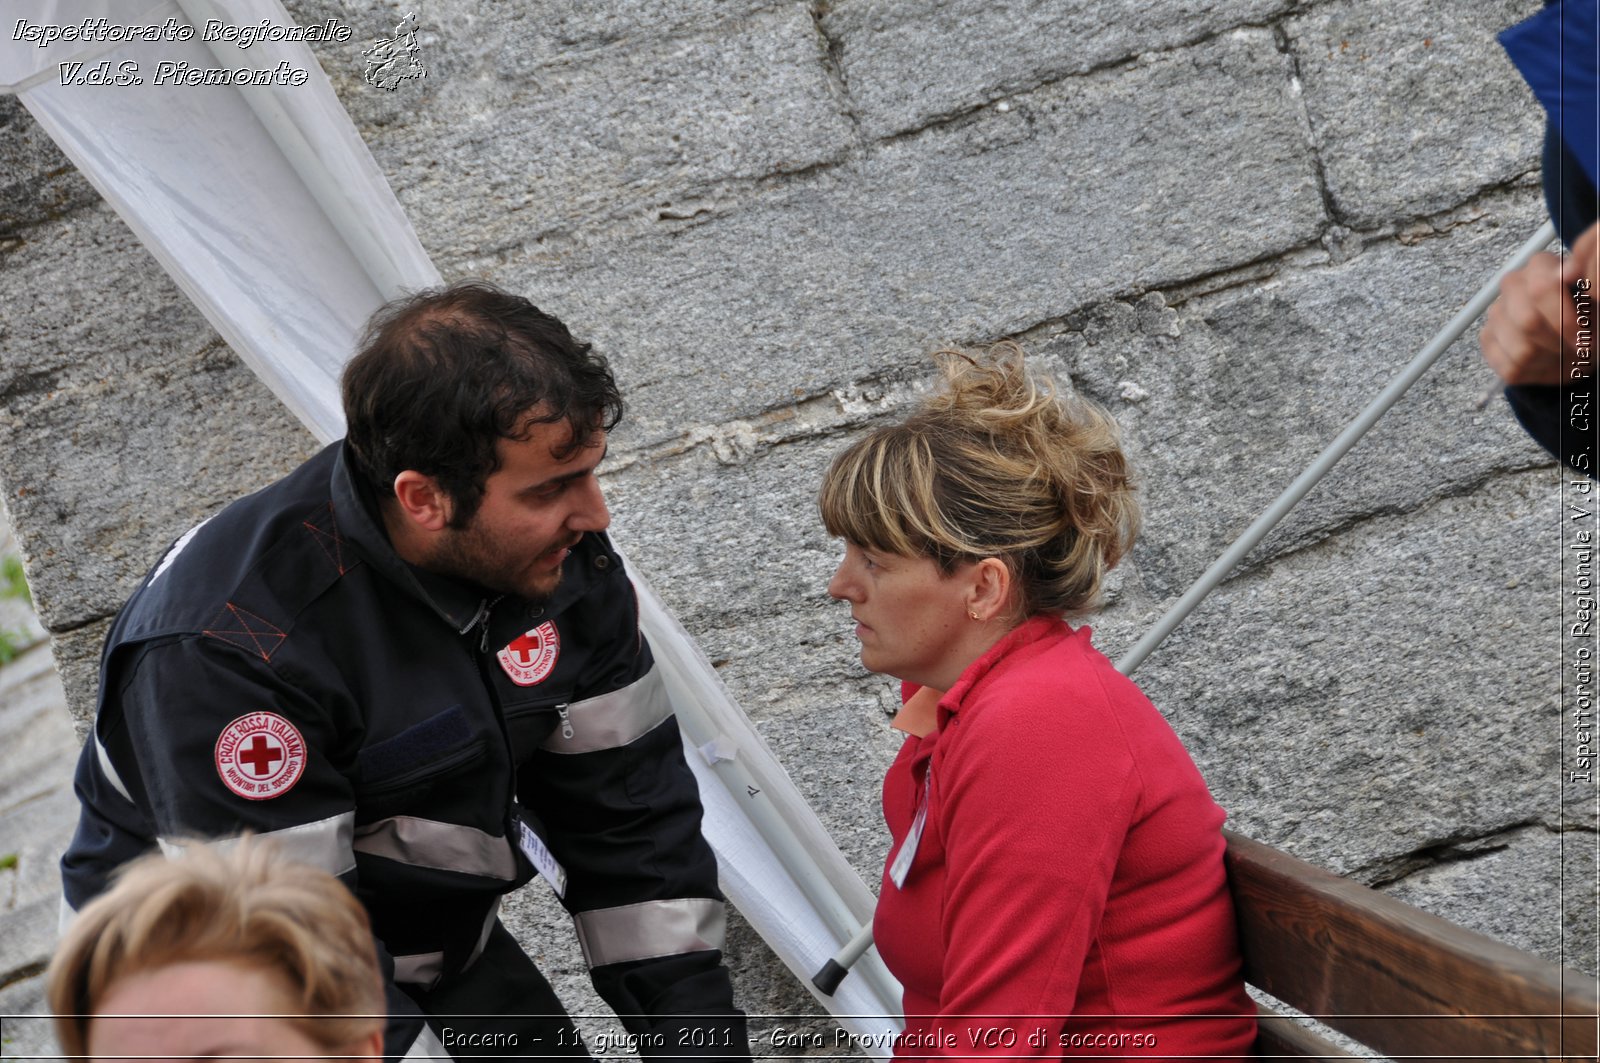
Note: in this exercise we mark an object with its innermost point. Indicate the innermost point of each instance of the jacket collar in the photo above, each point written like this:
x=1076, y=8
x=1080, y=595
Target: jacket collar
x=1034, y=629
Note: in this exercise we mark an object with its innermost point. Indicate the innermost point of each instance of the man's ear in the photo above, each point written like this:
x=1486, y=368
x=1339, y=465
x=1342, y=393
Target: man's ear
x=422, y=502
x=990, y=595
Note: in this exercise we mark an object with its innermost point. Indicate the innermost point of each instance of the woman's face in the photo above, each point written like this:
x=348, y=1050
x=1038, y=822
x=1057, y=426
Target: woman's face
x=228, y=1011
x=911, y=618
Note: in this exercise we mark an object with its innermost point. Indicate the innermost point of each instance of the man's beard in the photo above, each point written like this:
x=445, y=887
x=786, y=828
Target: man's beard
x=469, y=555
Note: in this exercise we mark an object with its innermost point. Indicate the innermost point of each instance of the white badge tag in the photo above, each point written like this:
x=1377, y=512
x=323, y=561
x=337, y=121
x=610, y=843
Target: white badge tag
x=533, y=848
x=908, y=848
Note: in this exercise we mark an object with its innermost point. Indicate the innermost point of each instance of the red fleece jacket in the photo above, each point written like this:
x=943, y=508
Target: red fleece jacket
x=1067, y=890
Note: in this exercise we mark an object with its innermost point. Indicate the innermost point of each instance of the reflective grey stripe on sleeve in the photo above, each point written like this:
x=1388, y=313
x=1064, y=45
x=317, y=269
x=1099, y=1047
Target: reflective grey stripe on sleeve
x=614, y=719
x=422, y=968
x=324, y=843
x=426, y=1046
x=653, y=928
x=109, y=770
x=177, y=548
x=483, y=935
x=440, y=846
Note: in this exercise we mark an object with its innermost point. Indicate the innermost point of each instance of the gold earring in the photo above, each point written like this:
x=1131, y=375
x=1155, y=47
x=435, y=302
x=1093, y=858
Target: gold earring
x=974, y=614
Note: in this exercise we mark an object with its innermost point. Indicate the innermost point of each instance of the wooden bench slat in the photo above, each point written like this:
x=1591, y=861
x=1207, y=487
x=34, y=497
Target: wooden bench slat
x=1394, y=977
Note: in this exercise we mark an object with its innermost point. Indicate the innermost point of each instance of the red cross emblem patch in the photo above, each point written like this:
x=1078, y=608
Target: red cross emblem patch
x=260, y=755
x=529, y=658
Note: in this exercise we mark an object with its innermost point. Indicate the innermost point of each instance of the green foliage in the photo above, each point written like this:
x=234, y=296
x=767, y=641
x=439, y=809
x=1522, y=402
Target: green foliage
x=8, y=862
x=12, y=642
x=13, y=583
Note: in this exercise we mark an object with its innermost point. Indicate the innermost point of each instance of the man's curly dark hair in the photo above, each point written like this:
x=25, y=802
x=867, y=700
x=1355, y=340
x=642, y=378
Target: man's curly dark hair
x=442, y=375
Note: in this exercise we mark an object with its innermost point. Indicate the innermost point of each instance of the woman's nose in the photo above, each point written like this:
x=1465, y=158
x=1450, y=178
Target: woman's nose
x=838, y=586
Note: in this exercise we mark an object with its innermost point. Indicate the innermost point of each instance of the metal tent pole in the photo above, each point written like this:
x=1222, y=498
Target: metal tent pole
x=1330, y=455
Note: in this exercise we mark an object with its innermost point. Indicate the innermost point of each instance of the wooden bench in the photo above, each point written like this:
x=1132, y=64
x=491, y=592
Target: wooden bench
x=1396, y=979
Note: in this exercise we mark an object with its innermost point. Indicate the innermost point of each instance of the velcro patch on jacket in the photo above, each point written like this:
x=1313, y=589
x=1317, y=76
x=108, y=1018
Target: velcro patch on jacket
x=436, y=737
x=530, y=658
x=260, y=755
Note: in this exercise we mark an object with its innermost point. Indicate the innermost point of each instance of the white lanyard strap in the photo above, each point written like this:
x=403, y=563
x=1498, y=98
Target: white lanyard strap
x=908, y=848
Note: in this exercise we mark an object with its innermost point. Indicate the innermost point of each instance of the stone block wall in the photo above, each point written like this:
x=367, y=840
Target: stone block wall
x=1229, y=221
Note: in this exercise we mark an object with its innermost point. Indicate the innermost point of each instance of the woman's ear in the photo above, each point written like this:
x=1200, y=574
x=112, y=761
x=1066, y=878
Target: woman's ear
x=990, y=596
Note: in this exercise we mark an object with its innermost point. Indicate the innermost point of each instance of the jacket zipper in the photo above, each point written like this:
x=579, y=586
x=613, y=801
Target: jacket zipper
x=485, y=608
x=495, y=709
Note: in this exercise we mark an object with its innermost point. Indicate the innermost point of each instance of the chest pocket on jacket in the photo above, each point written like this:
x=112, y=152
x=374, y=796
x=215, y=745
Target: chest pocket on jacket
x=530, y=724
x=427, y=763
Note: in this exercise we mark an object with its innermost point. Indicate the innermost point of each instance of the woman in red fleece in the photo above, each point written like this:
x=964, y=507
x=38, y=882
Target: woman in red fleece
x=1056, y=885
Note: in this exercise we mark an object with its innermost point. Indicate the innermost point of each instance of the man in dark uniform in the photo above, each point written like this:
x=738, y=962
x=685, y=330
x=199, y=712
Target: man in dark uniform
x=415, y=661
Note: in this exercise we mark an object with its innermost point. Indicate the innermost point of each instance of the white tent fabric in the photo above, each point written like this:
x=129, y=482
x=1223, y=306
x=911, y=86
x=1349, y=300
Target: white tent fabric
x=265, y=206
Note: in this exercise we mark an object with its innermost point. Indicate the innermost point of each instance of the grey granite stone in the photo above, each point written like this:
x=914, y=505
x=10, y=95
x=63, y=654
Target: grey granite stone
x=36, y=736
x=1503, y=888
x=961, y=233
x=907, y=62
x=1376, y=692
x=29, y=932
x=1226, y=398
x=1384, y=86
x=105, y=413
x=37, y=183
x=90, y=304
x=1383, y=693
x=38, y=813
x=503, y=144
x=77, y=654
x=26, y=1033
x=35, y=832
x=510, y=41
x=1577, y=900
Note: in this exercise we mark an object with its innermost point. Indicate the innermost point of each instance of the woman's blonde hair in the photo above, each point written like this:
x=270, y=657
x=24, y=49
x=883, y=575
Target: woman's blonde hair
x=244, y=904
x=993, y=464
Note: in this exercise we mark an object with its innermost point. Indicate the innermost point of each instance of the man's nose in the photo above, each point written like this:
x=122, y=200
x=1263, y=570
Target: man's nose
x=589, y=512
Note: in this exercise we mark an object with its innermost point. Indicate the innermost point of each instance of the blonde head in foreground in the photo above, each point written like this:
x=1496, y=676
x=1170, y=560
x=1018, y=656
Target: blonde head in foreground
x=271, y=958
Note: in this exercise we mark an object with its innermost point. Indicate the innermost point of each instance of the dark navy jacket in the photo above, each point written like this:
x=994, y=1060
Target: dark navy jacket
x=282, y=670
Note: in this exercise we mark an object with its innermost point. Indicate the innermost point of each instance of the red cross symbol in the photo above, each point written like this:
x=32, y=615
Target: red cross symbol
x=524, y=648
x=261, y=755
x=529, y=657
